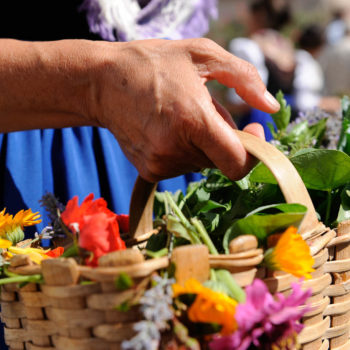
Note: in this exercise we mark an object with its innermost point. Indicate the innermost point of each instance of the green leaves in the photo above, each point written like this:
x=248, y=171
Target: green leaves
x=230, y=208
x=344, y=209
x=261, y=225
x=302, y=135
x=123, y=282
x=282, y=117
x=320, y=169
x=344, y=139
x=323, y=170
x=292, y=137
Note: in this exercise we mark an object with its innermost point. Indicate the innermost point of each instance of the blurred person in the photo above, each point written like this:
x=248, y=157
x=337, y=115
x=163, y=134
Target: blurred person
x=336, y=28
x=335, y=62
x=309, y=81
x=270, y=52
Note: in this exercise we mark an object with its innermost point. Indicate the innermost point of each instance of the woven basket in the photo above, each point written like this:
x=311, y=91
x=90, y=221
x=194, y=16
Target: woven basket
x=65, y=314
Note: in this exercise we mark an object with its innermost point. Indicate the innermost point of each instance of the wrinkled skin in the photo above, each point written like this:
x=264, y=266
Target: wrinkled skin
x=170, y=124
x=151, y=94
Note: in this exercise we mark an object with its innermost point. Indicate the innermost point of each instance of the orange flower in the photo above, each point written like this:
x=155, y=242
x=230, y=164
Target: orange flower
x=209, y=306
x=97, y=226
x=9, y=224
x=291, y=254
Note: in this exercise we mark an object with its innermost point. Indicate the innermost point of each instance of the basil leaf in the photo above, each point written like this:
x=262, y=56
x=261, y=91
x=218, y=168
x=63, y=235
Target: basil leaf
x=261, y=226
x=157, y=242
x=320, y=169
x=280, y=207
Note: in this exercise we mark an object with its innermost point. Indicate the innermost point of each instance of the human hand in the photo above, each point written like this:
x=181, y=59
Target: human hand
x=151, y=94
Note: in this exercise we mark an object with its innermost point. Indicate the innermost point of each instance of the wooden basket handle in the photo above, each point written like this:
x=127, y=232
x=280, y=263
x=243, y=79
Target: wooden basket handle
x=289, y=180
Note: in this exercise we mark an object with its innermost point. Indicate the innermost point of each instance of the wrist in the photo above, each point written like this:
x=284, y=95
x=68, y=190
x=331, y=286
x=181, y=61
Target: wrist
x=71, y=66
x=45, y=84
x=108, y=76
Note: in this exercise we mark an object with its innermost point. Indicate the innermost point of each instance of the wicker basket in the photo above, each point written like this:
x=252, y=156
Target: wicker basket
x=64, y=314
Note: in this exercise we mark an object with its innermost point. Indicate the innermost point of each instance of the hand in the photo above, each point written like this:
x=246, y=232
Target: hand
x=152, y=95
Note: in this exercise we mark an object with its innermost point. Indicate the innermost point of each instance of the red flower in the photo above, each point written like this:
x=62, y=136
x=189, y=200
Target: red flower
x=97, y=226
x=55, y=253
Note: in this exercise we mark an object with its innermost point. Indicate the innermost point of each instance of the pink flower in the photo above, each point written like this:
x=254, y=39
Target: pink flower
x=264, y=321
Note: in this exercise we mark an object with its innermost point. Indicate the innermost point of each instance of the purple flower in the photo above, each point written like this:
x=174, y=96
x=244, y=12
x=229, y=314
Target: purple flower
x=264, y=321
x=145, y=19
x=96, y=20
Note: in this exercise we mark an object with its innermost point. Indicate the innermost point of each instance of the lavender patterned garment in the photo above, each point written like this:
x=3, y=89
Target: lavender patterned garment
x=127, y=20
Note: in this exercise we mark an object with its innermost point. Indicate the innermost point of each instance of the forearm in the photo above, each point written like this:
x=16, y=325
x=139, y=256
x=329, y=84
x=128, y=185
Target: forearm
x=46, y=84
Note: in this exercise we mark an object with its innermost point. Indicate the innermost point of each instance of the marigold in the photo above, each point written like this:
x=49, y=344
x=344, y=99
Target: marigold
x=9, y=224
x=209, y=306
x=5, y=243
x=291, y=254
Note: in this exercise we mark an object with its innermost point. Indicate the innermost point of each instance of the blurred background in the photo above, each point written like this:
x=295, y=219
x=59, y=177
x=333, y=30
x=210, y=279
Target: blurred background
x=301, y=47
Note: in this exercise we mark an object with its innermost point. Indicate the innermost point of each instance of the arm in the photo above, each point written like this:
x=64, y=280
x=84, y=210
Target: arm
x=44, y=84
x=150, y=94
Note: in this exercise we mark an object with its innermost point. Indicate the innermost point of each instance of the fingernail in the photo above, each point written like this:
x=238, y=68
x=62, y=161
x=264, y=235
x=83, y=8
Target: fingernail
x=271, y=100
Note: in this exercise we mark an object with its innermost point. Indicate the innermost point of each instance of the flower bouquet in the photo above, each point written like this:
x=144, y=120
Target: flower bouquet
x=227, y=265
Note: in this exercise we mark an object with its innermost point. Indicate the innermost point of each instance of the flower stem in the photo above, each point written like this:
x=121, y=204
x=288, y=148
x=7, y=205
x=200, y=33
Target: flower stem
x=183, y=219
x=236, y=291
x=177, y=210
x=188, y=195
x=166, y=206
x=157, y=254
x=212, y=275
x=203, y=234
x=21, y=279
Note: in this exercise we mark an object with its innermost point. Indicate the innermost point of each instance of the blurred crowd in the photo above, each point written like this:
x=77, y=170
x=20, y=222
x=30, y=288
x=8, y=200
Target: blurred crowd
x=310, y=64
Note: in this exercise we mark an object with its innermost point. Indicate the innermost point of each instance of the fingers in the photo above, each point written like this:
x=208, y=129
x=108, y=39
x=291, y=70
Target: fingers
x=222, y=146
x=214, y=62
x=224, y=113
x=255, y=129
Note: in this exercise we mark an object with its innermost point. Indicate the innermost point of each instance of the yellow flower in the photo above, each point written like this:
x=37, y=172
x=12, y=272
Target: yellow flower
x=22, y=218
x=26, y=218
x=36, y=255
x=12, y=227
x=5, y=243
x=209, y=306
x=291, y=254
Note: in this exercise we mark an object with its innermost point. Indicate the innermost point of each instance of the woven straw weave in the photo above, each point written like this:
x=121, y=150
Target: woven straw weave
x=64, y=314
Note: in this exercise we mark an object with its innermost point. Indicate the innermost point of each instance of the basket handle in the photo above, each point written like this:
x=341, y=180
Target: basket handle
x=289, y=180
